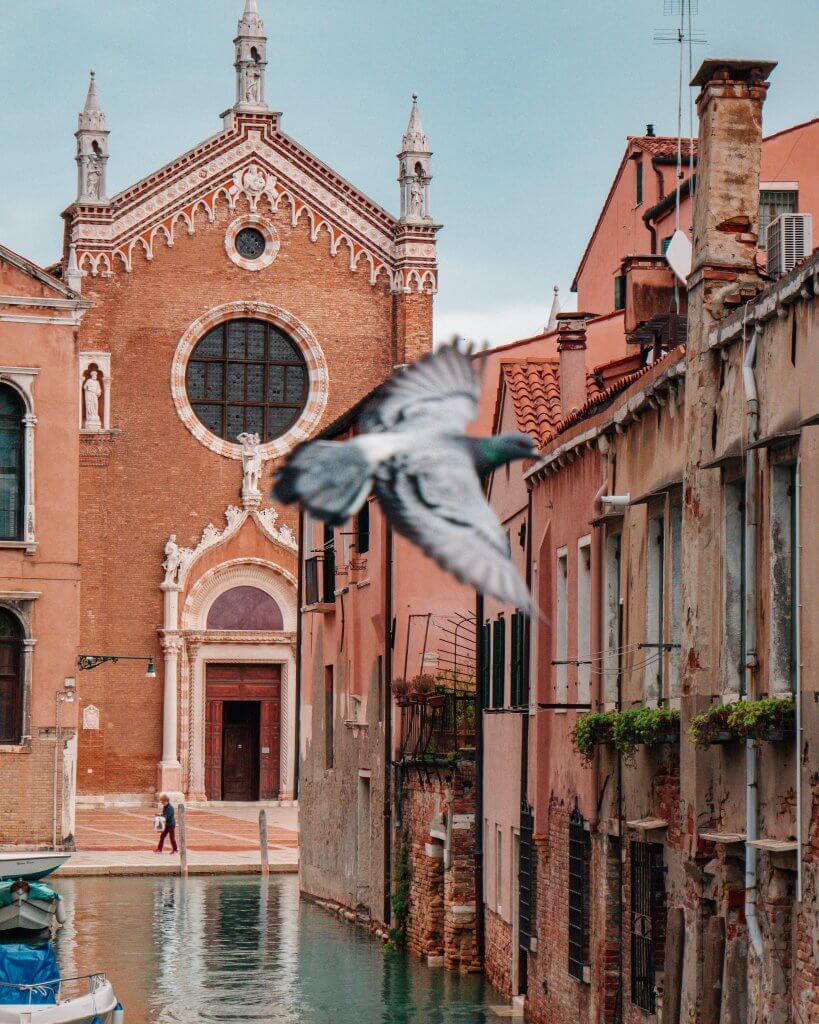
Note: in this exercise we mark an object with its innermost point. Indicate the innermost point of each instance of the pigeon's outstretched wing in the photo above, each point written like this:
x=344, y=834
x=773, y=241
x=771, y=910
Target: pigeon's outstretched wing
x=438, y=393
x=434, y=498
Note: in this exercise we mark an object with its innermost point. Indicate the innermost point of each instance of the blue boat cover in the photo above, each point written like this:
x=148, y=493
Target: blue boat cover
x=36, y=891
x=24, y=964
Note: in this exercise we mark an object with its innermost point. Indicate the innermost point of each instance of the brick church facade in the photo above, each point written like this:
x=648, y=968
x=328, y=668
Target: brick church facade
x=243, y=296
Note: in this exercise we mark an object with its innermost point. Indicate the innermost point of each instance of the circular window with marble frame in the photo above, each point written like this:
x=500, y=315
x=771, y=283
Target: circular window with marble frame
x=317, y=377
x=250, y=230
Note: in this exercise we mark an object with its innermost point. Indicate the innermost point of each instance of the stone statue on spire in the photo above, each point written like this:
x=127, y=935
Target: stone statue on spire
x=92, y=149
x=251, y=60
x=414, y=170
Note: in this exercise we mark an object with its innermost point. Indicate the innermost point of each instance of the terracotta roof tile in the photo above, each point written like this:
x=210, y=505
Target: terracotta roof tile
x=534, y=387
x=662, y=145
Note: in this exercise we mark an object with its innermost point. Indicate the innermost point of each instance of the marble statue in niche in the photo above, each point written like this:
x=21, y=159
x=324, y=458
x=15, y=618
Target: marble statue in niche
x=253, y=84
x=251, y=468
x=173, y=560
x=417, y=190
x=91, y=393
x=93, y=177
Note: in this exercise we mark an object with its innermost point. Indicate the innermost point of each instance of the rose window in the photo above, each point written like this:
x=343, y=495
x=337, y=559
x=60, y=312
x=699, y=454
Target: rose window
x=247, y=376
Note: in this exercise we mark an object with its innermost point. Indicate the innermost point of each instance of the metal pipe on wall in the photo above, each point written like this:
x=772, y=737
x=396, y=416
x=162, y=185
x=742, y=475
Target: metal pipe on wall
x=751, y=755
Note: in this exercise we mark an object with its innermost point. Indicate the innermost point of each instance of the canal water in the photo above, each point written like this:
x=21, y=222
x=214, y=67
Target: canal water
x=222, y=949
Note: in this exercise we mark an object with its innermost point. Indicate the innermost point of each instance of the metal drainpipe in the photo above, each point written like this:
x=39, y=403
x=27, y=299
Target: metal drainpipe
x=388, y=639
x=479, y=903
x=751, y=516
x=798, y=681
x=299, y=595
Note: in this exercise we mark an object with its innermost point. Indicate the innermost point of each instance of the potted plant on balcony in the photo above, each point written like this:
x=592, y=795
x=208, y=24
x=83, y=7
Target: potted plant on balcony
x=771, y=719
x=400, y=689
x=592, y=730
x=713, y=726
x=645, y=727
x=422, y=687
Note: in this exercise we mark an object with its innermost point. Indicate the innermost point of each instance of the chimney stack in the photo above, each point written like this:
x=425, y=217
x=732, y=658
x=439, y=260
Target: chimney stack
x=650, y=131
x=571, y=346
x=726, y=214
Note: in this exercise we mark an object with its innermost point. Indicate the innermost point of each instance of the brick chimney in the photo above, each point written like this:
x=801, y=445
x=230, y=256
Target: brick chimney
x=726, y=209
x=571, y=346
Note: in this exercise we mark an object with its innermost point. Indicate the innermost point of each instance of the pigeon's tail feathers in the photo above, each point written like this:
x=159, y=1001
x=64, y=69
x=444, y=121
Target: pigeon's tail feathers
x=331, y=479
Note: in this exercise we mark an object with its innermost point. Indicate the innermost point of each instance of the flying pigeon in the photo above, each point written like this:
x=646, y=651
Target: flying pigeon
x=411, y=451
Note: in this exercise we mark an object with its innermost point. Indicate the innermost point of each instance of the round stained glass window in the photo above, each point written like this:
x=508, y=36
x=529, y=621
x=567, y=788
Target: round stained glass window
x=250, y=243
x=247, y=376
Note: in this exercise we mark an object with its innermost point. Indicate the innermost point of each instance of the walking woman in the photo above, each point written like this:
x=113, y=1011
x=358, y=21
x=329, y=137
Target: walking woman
x=169, y=830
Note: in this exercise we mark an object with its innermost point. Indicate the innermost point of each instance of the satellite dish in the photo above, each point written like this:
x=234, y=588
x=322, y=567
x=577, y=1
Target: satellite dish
x=678, y=254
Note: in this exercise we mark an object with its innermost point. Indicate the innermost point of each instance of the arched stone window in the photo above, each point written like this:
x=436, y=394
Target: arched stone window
x=12, y=464
x=247, y=376
x=11, y=678
x=245, y=608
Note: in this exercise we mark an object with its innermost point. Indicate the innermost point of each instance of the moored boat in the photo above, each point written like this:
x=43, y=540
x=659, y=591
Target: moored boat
x=29, y=907
x=30, y=866
x=32, y=991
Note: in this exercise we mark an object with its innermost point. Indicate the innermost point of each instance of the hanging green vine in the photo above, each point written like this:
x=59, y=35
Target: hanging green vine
x=400, y=894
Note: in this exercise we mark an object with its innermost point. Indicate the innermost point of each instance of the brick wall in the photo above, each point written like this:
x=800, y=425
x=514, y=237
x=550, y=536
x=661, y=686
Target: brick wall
x=442, y=902
x=498, y=952
x=26, y=793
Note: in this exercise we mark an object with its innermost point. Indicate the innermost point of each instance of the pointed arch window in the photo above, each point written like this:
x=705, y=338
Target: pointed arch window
x=12, y=464
x=11, y=678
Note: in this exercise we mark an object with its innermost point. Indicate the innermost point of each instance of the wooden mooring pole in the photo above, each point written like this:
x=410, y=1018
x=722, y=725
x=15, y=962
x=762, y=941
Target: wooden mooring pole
x=183, y=842
x=263, y=842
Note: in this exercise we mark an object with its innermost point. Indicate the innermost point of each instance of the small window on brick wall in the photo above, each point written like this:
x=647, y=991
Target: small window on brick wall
x=579, y=896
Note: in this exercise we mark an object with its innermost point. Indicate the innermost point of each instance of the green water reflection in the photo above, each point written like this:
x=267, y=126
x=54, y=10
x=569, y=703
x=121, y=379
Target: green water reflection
x=234, y=949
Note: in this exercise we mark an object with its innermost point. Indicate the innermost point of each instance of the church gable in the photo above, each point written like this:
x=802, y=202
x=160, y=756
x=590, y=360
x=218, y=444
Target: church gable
x=251, y=160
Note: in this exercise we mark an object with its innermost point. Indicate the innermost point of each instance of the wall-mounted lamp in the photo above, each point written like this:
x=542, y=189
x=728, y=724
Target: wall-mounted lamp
x=88, y=661
x=615, y=500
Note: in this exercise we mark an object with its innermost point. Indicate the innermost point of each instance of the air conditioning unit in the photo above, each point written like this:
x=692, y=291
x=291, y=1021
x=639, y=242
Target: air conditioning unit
x=788, y=241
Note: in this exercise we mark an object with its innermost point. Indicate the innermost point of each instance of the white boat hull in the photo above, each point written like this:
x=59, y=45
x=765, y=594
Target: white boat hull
x=29, y=915
x=81, y=1010
x=30, y=866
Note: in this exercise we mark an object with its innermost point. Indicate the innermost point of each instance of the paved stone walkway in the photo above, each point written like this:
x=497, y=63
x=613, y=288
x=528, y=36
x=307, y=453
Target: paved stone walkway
x=121, y=841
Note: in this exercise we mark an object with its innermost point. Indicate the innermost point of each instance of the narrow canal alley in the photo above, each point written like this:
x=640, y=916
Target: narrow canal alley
x=236, y=949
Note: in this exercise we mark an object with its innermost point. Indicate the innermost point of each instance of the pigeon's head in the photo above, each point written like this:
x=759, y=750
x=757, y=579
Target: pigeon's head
x=503, y=448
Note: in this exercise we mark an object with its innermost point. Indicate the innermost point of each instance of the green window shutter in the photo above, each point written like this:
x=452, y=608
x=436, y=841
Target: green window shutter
x=486, y=663
x=498, y=662
x=517, y=660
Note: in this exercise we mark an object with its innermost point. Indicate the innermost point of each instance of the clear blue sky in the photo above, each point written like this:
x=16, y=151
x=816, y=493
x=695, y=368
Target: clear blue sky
x=526, y=103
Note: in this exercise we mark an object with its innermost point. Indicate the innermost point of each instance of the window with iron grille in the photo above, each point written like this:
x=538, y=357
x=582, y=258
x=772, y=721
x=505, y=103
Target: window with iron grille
x=486, y=664
x=579, y=894
x=518, y=695
x=647, y=922
x=772, y=203
x=527, y=880
x=498, y=661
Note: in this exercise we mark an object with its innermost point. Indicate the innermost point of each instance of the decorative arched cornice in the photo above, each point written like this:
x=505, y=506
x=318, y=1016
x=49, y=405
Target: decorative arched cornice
x=241, y=572
x=178, y=571
x=318, y=375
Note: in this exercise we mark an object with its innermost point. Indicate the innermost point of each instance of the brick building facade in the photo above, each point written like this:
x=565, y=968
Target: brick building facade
x=39, y=564
x=243, y=295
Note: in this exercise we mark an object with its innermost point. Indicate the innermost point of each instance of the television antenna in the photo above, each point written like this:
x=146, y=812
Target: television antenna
x=685, y=36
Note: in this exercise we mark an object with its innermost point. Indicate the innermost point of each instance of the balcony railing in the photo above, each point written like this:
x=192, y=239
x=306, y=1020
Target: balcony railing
x=437, y=725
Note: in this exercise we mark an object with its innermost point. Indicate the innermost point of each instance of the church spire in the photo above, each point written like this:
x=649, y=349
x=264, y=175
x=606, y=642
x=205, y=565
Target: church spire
x=92, y=149
x=251, y=61
x=414, y=170
x=551, y=324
